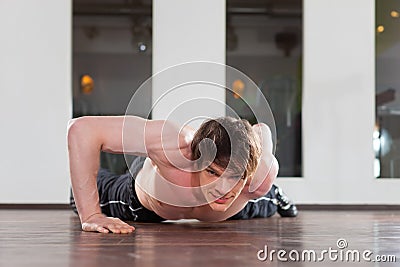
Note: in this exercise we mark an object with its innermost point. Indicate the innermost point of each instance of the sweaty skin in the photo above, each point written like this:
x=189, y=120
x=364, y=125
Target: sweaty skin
x=87, y=136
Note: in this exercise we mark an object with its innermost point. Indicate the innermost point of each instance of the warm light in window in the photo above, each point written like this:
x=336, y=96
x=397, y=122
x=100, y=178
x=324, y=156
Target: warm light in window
x=394, y=14
x=87, y=84
x=237, y=87
x=380, y=29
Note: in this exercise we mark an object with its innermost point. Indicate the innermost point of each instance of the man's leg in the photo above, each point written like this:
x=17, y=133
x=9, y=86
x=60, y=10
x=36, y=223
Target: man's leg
x=274, y=201
x=114, y=195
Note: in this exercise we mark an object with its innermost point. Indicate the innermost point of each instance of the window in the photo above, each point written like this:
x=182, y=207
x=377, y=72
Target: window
x=112, y=42
x=264, y=40
x=386, y=139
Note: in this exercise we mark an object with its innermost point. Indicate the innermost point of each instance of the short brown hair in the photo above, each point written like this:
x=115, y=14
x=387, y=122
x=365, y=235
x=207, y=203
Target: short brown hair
x=224, y=131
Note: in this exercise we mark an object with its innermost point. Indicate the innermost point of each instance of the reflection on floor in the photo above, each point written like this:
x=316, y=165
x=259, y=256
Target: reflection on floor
x=54, y=238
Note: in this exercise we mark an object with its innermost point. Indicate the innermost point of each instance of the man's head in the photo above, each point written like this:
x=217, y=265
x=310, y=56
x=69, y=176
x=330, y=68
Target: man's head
x=237, y=154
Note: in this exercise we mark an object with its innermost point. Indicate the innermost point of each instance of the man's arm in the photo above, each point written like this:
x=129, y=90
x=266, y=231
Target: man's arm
x=87, y=136
x=267, y=168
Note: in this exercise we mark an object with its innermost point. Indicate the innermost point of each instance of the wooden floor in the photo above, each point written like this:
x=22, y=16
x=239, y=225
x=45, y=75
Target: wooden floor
x=54, y=238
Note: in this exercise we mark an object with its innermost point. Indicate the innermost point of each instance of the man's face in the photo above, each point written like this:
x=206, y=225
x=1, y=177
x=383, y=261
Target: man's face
x=220, y=188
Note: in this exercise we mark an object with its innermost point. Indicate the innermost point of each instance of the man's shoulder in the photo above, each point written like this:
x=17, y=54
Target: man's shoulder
x=167, y=172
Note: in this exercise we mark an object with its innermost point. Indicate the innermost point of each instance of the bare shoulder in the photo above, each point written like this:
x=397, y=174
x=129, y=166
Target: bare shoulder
x=167, y=172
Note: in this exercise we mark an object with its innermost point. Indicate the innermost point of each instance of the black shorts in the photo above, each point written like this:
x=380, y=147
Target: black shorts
x=118, y=197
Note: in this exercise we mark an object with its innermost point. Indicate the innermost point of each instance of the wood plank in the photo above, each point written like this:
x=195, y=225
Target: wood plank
x=54, y=238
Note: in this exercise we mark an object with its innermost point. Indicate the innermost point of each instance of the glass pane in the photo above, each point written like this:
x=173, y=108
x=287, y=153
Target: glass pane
x=111, y=58
x=386, y=139
x=264, y=40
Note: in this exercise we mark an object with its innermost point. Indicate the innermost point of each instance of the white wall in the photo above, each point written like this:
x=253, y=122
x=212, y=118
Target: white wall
x=35, y=100
x=338, y=115
x=185, y=31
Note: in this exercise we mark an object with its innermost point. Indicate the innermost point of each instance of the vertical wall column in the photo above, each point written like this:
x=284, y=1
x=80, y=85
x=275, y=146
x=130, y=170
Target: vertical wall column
x=35, y=100
x=338, y=105
x=185, y=31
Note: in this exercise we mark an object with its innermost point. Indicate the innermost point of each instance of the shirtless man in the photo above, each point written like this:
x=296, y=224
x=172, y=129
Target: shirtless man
x=239, y=190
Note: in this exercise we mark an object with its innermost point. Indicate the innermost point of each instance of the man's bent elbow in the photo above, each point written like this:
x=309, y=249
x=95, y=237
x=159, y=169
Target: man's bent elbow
x=76, y=127
x=268, y=181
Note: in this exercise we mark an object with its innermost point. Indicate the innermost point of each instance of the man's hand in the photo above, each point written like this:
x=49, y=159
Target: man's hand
x=102, y=224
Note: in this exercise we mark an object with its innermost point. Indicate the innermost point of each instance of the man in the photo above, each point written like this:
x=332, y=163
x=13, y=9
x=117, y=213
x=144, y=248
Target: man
x=226, y=167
